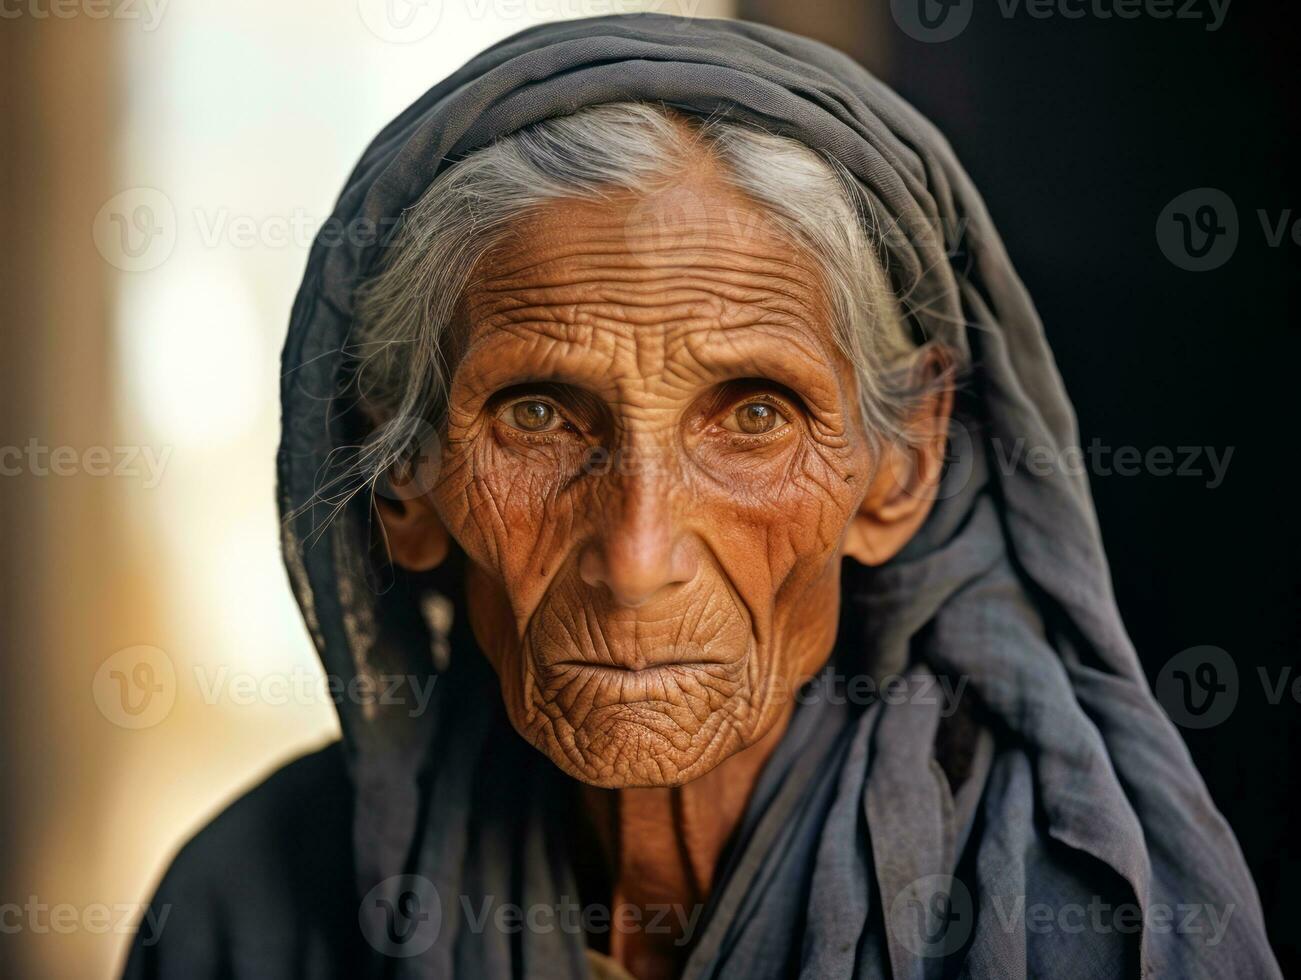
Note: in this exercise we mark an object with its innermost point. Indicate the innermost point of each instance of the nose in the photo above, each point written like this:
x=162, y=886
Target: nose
x=638, y=551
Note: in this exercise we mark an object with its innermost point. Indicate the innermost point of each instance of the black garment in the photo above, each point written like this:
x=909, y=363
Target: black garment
x=267, y=889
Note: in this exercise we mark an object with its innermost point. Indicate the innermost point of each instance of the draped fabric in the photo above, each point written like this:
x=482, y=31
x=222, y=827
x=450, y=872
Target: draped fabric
x=1077, y=839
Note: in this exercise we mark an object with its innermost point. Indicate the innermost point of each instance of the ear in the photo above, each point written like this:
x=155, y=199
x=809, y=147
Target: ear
x=905, y=485
x=416, y=537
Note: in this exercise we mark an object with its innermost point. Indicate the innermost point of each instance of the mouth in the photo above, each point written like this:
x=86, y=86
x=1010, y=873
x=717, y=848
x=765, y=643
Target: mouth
x=637, y=667
x=647, y=669
x=624, y=652
x=615, y=684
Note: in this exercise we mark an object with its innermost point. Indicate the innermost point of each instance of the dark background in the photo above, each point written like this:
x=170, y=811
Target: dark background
x=1078, y=133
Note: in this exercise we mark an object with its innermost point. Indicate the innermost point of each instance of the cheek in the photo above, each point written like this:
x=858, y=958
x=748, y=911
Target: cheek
x=511, y=512
x=777, y=531
x=779, y=538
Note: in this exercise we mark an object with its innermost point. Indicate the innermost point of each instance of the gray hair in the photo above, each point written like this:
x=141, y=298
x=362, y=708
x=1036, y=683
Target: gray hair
x=405, y=312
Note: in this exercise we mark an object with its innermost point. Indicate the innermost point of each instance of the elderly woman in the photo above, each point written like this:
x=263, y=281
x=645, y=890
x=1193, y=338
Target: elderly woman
x=642, y=404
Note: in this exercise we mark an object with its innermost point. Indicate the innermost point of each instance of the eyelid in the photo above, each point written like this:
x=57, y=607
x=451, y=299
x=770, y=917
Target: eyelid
x=577, y=408
x=730, y=394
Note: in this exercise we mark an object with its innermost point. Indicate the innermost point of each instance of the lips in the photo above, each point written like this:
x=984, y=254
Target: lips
x=629, y=669
x=692, y=629
x=641, y=651
x=585, y=691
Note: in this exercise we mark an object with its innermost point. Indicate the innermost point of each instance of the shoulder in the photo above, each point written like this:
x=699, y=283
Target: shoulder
x=272, y=871
x=295, y=824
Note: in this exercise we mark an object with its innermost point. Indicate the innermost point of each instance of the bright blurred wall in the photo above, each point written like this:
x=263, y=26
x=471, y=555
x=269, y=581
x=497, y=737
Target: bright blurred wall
x=180, y=156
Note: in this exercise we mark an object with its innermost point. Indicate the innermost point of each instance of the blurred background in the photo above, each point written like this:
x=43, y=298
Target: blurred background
x=164, y=165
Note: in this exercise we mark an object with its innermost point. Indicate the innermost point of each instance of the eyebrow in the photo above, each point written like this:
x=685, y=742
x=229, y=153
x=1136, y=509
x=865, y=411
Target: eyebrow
x=800, y=367
x=724, y=354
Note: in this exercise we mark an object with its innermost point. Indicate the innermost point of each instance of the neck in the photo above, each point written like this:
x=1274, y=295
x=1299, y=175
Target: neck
x=661, y=848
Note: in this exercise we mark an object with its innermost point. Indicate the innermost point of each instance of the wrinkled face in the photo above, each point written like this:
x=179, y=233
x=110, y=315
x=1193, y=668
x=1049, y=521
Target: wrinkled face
x=652, y=457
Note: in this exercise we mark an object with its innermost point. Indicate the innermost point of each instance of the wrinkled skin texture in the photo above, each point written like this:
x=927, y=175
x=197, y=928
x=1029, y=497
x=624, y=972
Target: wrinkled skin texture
x=653, y=462
x=650, y=612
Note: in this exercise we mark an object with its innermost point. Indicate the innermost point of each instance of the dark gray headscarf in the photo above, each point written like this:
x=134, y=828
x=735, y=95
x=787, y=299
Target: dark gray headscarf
x=1076, y=838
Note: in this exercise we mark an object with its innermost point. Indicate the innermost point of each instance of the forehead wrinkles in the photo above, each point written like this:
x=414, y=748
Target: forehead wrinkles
x=680, y=333
x=700, y=226
x=633, y=294
x=597, y=269
x=682, y=350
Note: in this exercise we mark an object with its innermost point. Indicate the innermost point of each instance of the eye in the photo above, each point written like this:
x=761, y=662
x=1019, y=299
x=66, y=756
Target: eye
x=531, y=415
x=755, y=418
